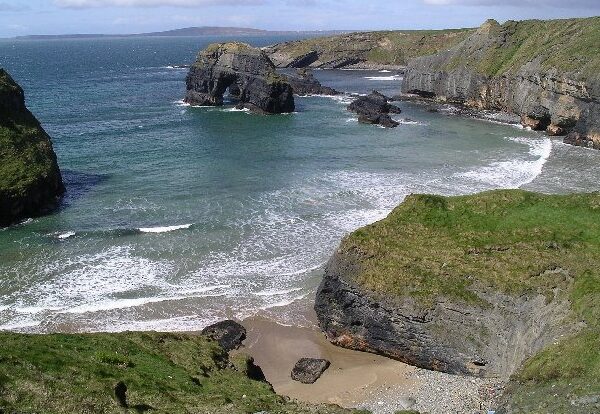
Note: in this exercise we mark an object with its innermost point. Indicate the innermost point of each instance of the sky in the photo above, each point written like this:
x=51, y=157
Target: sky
x=23, y=17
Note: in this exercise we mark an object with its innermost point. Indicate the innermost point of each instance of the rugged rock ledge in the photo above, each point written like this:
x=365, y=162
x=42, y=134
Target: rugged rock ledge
x=30, y=180
x=246, y=72
x=476, y=285
x=304, y=83
x=363, y=50
x=547, y=72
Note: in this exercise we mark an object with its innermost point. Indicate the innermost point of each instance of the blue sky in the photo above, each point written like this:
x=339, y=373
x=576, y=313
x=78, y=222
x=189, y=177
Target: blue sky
x=19, y=17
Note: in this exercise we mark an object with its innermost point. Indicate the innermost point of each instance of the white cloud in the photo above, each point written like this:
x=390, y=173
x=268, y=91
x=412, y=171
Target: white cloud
x=85, y=4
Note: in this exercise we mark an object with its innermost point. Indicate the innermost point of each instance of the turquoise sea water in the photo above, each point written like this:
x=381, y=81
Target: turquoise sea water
x=176, y=216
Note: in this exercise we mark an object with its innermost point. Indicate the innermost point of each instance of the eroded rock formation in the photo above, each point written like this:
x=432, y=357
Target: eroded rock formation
x=544, y=71
x=304, y=83
x=30, y=180
x=246, y=72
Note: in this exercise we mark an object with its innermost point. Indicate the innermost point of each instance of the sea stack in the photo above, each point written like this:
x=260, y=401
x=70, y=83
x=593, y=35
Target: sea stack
x=30, y=180
x=245, y=71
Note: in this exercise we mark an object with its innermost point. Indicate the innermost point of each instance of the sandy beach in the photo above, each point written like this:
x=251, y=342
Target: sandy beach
x=358, y=379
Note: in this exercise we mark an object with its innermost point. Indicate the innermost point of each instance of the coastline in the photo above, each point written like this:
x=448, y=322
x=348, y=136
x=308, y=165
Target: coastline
x=358, y=379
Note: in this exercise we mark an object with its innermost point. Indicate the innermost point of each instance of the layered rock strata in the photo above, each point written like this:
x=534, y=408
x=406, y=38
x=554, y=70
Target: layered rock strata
x=546, y=72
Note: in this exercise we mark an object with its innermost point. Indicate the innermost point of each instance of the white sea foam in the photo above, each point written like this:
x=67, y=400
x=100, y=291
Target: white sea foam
x=234, y=109
x=276, y=292
x=517, y=172
x=63, y=236
x=352, y=120
x=165, y=229
x=384, y=78
x=385, y=71
x=282, y=303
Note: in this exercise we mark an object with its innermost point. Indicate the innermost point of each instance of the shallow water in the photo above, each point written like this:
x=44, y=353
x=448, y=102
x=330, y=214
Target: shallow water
x=177, y=216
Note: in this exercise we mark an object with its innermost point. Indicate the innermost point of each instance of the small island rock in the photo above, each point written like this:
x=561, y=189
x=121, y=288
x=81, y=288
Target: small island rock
x=245, y=71
x=375, y=109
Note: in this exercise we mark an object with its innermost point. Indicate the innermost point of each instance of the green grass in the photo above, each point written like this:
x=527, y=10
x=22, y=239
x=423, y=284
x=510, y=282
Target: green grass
x=569, y=46
x=26, y=154
x=171, y=373
x=512, y=241
x=559, y=375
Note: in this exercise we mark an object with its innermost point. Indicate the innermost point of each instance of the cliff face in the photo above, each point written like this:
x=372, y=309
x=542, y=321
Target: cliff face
x=30, y=180
x=547, y=72
x=248, y=74
x=477, y=285
x=364, y=50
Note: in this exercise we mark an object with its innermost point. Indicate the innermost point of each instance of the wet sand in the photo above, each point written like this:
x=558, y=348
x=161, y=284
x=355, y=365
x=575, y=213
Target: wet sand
x=353, y=379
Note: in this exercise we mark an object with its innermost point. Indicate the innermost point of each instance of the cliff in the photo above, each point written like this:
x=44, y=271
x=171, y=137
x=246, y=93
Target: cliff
x=477, y=285
x=547, y=72
x=246, y=72
x=134, y=373
x=30, y=180
x=363, y=50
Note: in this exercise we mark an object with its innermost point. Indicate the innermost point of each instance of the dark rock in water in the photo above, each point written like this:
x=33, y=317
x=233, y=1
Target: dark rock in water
x=580, y=140
x=229, y=334
x=248, y=74
x=309, y=370
x=304, y=83
x=375, y=109
x=30, y=181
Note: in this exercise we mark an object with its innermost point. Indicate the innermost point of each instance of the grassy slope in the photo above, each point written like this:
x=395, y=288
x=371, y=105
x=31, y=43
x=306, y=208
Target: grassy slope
x=171, y=373
x=571, y=45
x=389, y=47
x=434, y=246
x=25, y=150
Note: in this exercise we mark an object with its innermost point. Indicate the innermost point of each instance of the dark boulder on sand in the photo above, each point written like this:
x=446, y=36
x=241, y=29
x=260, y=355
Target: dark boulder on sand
x=309, y=370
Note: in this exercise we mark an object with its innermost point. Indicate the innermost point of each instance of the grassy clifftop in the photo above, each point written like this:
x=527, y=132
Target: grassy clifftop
x=393, y=48
x=518, y=243
x=29, y=177
x=570, y=45
x=131, y=373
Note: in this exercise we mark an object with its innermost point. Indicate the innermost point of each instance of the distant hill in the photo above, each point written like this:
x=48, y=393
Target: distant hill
x=188, y=31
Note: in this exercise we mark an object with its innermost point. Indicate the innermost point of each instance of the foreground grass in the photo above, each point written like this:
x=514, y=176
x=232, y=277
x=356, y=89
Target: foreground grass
x=168, y=373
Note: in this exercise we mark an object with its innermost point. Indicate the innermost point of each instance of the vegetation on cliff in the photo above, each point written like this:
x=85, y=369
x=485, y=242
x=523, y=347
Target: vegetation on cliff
x=570, y=46
x=387, y=48
x=29, y=176
x=132, y=372
x=519, y=243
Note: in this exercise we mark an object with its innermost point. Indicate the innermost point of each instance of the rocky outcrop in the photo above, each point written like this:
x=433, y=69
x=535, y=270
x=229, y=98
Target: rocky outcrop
x=375, y=109
x=363, y=50
x=246, y=72
x=304, y=83
x=229, y=334
x=544, y=71
x=414, y=287
x=309, y=370
x=30, y=180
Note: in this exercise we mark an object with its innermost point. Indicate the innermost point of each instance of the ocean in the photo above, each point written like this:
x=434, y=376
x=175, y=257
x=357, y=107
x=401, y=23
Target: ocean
x=176, y=217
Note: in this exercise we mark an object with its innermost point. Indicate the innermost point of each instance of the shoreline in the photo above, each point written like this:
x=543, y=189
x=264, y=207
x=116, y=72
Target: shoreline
x=357, y=379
